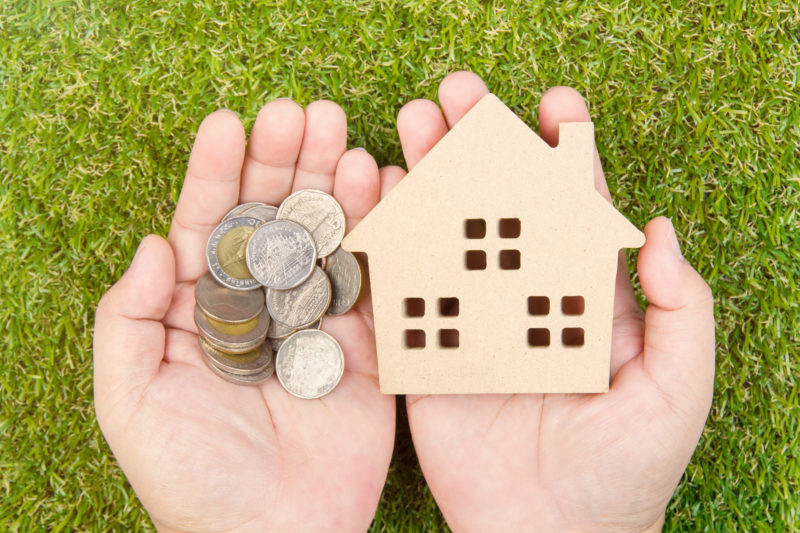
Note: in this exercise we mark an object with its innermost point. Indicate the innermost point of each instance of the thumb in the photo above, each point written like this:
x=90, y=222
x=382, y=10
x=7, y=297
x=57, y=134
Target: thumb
x=128, y=335
x=679, y=323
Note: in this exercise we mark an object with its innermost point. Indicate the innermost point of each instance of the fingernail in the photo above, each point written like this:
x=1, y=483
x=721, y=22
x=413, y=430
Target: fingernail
x=360, y=148
x=675, y=246
x=142, y=246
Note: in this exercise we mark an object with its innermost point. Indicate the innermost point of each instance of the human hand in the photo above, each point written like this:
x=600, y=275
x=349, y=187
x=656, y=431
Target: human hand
x=577, y=462
x=203, y=454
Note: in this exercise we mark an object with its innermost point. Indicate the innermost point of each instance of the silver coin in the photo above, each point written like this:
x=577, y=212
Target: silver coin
x=225, y=253
x=246, y=364
x=239, y=210
x=309, y=364
x=277, y=330
x=276, y=344
x=345, y=274
x=235, y=344
x=281, y=254
x=227, y=305
x=263, y=212
x=300, y=307
x=253, y=379
x=320, y=214
x=315, y=325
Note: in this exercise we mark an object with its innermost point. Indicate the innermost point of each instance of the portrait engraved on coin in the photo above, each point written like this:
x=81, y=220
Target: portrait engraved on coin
x=281, y=254
x=309, y=364
x=320, y=214
x=227, y=305
x=225, y=253
x=301, y=306
x=344, y=272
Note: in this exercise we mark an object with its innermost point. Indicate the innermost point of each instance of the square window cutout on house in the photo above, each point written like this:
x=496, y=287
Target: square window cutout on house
x=448, y=306
x=538, y=305
x=510, y=259
x=573, y=305
x=414, y=307
x=572, y=337
x=509, y=228
x=448, y=338
x=414, y=338
x=475, y=228
x=538, y=337
x=475, y=260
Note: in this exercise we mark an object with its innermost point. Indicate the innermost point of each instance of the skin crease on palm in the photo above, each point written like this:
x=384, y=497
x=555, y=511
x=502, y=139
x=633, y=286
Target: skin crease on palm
x=207, y=455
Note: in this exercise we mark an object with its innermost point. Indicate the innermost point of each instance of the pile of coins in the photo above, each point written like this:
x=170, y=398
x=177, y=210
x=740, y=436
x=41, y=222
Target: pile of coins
x=274, y=272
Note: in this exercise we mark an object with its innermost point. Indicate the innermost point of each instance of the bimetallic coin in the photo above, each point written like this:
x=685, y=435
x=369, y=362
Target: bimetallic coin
x=278, y=331
x=227, y=305
x=239, y=328
x=281, y=254
x=263, y=212
x=344, y=272
x=225, y=253
x=239, y=210
x=309, y=364
x=320, y=214
x=253, y=379
x=300, y=307
x=235, y=344
x=249, y=363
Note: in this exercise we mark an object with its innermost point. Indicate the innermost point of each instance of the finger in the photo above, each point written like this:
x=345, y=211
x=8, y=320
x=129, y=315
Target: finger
x=420, y=125
x=565, y=104
x=628, y=323
x=324, y=142
x=272, y=152
x=390, y=176
x=679, y=323
x=356, y=185
x=458, y=92
x=129, y=337
x=210, y=189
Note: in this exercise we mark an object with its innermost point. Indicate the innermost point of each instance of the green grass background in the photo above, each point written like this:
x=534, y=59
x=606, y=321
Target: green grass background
x=696, y=118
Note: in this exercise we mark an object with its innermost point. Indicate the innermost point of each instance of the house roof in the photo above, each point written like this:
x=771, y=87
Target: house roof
x=491, y=136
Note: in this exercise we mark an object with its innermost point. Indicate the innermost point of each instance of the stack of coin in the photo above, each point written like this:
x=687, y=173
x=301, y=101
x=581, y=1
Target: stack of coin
x=293, y=252
x=233, y=326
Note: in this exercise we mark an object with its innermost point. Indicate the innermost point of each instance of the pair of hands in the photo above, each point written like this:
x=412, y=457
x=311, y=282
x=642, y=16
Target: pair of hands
x=206, y=455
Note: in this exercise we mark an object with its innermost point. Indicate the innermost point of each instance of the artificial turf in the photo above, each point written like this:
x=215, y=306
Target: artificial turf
x=696, y=113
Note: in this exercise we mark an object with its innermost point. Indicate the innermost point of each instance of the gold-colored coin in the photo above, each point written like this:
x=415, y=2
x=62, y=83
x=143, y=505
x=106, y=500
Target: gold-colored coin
x=231, y=252
x=225, y=253
x=239, y=379
x=234, y=344
x=248, y=363
x=227, y=305
x=233, y=329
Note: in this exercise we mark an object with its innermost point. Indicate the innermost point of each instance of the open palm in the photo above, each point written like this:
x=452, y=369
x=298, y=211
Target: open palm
x=207, y=455
x=579, y=462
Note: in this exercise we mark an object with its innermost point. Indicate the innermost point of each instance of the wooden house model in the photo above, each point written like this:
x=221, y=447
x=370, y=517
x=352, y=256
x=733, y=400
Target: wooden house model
x=493, y=263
